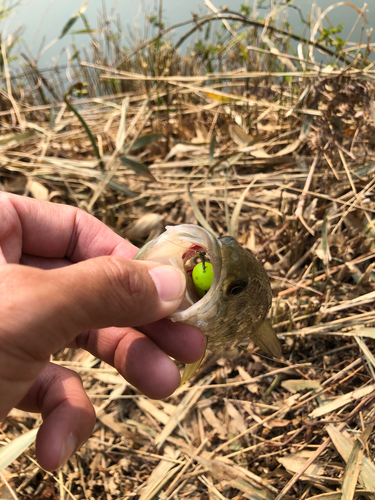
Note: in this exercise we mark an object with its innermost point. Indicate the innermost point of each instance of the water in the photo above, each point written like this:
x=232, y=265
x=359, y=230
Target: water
x=43, y=20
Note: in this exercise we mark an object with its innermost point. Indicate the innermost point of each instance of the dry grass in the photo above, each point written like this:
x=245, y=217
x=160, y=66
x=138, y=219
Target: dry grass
x=246, y=427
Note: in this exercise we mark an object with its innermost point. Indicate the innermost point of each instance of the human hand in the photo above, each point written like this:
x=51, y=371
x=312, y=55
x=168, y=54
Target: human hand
x=78, y=288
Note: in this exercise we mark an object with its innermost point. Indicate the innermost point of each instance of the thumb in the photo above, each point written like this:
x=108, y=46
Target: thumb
x=53, y=306
x=114, y=291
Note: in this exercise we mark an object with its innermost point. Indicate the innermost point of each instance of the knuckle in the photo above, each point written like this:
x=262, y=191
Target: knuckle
x=10, y=222
x=50, y=382
x=130, y=279
x=80, y=222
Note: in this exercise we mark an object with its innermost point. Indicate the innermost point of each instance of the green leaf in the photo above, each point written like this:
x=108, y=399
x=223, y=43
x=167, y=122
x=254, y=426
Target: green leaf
x=73, y=19
x=137, y=166
x=75, y=55
x=85, y=21
x=144, y=140
x=116, y=186
x=85, y=32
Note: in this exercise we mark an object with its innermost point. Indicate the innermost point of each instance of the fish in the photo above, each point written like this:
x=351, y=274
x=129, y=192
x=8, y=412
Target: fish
x=235, y=306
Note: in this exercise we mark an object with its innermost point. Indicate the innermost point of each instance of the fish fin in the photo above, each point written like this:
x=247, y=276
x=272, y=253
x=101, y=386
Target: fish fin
x=266, y=339
x=190, y=369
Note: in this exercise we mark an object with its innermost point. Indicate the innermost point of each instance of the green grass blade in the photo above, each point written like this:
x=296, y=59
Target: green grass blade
x=138, y=167
x=73, y=19
x=145, y=140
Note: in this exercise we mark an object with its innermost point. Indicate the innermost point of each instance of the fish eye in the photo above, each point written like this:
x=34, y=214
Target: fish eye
x=236, y=287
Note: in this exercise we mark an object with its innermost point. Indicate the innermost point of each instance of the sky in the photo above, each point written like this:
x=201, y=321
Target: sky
x=43, y=20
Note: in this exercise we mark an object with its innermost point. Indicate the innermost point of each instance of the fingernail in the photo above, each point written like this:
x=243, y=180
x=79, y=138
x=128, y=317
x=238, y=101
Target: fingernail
x=169, y=281
x=69, y=446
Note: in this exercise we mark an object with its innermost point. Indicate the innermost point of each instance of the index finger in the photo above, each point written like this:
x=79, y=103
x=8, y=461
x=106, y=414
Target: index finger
x=55, y=231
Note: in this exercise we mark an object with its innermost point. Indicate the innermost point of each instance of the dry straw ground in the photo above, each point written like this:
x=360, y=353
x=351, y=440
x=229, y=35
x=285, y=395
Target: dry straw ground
x=285, y=162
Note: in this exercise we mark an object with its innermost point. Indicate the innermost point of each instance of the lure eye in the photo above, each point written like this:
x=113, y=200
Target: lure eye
x=236, y=287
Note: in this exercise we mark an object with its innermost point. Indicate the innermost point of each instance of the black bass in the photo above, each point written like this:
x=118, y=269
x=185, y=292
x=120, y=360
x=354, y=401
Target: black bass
x=237, y=302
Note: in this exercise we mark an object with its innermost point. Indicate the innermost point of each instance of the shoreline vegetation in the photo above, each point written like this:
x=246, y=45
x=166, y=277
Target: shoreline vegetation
x=252, y=133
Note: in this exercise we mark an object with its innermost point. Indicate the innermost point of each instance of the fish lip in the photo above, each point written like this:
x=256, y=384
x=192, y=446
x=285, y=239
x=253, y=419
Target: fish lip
x=198, y=235
x=181, y=238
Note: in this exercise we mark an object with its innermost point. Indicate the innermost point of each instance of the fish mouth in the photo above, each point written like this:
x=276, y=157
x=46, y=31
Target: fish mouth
x=183, y=247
